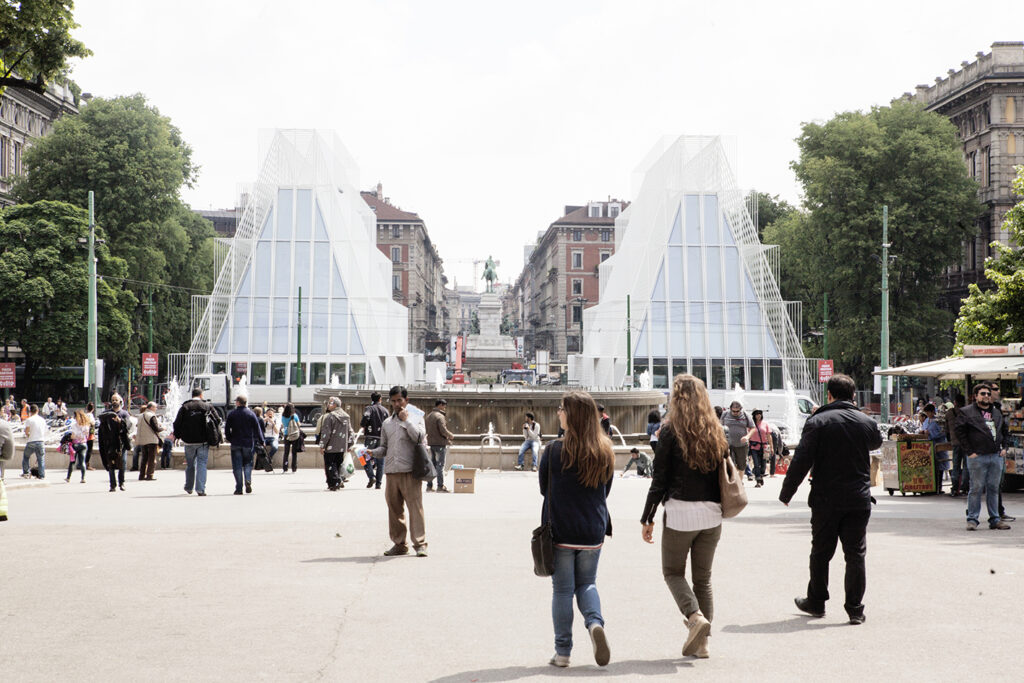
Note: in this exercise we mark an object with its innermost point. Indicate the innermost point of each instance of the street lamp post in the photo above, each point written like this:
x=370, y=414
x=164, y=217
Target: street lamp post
x=94, y=394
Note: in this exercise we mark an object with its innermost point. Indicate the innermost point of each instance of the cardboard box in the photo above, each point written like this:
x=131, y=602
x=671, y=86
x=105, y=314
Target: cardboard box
x=465, y=480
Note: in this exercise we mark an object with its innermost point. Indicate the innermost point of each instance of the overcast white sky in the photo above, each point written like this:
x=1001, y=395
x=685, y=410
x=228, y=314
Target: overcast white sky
x=487, y=118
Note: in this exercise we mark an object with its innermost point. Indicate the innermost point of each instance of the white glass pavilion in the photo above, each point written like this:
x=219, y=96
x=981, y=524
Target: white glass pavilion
x=703, y=295
x=305, y=229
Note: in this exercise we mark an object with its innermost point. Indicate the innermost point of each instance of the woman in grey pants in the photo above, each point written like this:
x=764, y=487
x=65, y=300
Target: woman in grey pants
x=691, y=448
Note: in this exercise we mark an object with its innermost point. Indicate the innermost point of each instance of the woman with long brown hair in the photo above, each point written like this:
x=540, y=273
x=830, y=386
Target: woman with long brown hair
x=575, y=477
x=691, y=448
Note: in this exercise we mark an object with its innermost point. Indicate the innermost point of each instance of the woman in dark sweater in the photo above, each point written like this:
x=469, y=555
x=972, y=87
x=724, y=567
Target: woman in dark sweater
x=575, y=478
x=690, y=452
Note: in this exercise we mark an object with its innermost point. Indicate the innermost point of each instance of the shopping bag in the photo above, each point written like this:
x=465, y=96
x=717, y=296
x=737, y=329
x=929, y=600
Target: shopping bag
x=347, y=466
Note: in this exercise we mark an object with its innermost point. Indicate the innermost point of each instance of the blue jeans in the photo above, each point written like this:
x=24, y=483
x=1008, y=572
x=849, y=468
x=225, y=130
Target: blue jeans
x=79, y=461
x=986, y=473
x=757, y=455
x=960, y=478
x=195, y=466
x=165, y=453
x=437, y=456
x=529, y=445
x=241, y=465
x=575, y=573
x=39, y=448
x=270, y=454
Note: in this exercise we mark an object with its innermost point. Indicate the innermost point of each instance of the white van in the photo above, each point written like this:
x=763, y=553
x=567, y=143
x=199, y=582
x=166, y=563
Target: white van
x=787, y=411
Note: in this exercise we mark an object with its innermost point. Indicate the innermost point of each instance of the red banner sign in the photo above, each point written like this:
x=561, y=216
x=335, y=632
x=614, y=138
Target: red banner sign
x=6, y=375
x=825, y=370
x=150, y=364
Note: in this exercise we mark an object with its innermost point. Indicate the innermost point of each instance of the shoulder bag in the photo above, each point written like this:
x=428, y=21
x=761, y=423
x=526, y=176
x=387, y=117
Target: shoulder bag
x=542, y=544
x=734, y=497
x=423, y=464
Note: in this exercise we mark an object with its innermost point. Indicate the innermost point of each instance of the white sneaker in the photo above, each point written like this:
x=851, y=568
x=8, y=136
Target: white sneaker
x=600, y=641
x=560, y=660
x=699, y=629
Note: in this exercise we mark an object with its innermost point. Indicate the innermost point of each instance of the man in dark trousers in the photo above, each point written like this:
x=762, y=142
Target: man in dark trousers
x=335, y=438
x=438, y=438
x=836, y=442
x=984, y=436
x=373, y=420
x=243, y=431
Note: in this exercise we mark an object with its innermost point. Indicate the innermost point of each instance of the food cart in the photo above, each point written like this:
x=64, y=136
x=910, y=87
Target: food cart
x=910, y=465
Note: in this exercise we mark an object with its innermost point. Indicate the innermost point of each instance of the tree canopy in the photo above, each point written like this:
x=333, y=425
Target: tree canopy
x=36, y=43
x=996, y=315
x=850, y=166
x=770, y=208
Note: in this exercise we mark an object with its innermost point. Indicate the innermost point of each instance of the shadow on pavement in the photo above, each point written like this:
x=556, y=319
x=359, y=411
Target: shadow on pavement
x=370, y=559
x=636, y=667
x=791, y=625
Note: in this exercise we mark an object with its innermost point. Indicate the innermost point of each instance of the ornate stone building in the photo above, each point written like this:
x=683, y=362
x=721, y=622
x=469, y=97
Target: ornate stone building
x=985, y=101
x=25, y=116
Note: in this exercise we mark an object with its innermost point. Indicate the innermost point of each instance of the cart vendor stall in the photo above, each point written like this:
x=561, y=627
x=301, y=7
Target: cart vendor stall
x=911, y=464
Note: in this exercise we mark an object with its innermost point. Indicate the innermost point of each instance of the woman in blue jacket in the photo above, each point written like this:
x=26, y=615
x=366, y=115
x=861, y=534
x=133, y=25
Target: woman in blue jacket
x=575, y=477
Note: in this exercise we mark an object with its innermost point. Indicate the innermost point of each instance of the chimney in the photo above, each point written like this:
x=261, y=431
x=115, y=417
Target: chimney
x=380, y=190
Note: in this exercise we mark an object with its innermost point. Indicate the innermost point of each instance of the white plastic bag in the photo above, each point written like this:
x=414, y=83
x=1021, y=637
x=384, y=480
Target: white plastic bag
x=347, y=466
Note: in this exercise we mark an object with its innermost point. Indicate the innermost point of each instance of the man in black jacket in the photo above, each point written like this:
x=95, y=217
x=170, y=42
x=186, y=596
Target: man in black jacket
x=190, y=425
x=836, y=442
x=983, y=435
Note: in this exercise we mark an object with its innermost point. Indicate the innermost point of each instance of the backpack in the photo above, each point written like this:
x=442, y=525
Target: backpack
x=294, y=432
x=213, y=434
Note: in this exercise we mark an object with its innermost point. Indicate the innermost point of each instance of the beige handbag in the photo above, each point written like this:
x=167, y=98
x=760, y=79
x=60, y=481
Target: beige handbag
x=730, y=480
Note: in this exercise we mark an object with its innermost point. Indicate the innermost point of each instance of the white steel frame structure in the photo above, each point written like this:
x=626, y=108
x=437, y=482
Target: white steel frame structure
x=703, y=289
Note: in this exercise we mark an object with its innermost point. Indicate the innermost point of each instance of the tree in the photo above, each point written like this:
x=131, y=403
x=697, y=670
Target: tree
x=44, y=274
x=850, y=166
x=136, y=162
x=770, y=208
x=36, y=43
x=996, y=316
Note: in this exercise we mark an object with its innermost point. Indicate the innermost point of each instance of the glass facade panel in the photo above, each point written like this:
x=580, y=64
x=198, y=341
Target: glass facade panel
x=714, y=264
x=318, y=373
x=679, y=367
x=267, y=233
x=319, y=330
x=258, y=373
x=727, y=237
x=677, y=329
x=756, y=374
x=245, y=286
x=659, y=286
x=700, y=369
x=282, y=268
x=303, y=214
x=279, y=335
x=218, y=368
x=307, y=316
x=659, y=373
x=240, y=321
x=755, y=347
x=639, y=367
x=692, y=204
x=321, y=270
x=658, y=329
x=238, y=371
x=262, y=260
x=734, y=331
x=718, y=373
x=748, y=288
x=675, y=272
x=711, y=233
x=697, y=347
x=357, y=373
x=302, y=269
x=716, y=329
x=356, y=342
x=775, y=374
x=339, y=326
x=676, y=237
x=640, y=349
x=321, y=228
x=284, y=214
x=694, y=274
x=277, y=373
x=222, y=340
x=298, y=371
x=732, y=274
x=260, y=325
x=338, y=287
x=736, y=378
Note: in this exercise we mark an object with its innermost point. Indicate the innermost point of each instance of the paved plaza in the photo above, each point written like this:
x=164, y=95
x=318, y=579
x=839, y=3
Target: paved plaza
x=288, y=584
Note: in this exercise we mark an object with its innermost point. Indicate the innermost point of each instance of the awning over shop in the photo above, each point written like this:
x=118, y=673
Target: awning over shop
x=957, y=367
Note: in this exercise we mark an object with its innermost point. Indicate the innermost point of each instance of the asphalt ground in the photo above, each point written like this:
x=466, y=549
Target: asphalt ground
x=289, y=584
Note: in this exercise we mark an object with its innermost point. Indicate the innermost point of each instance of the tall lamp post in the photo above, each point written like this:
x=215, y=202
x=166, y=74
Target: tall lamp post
x=90, y=369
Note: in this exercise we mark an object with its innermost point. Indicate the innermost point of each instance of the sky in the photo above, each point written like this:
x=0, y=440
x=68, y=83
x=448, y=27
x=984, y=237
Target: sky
x=488, y=118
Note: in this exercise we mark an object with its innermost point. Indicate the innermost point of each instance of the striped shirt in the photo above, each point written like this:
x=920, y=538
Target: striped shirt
x=692, y=515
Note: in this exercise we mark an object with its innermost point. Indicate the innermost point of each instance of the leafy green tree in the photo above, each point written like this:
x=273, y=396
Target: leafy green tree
x=136, y=162
x=770, y=208
x=36, y=43
x=44, y=274
x=850, y=166
x=996, y=316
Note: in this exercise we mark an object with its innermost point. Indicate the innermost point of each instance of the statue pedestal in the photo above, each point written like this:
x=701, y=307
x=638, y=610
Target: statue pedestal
x=490, y=351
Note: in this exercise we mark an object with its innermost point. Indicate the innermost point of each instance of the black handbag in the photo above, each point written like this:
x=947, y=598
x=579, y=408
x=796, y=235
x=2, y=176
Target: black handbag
x=542, y=544
x=423, y=464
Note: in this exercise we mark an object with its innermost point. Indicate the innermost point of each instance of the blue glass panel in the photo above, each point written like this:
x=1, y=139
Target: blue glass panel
x=302, y=269
x=641, y=341
x=658, y=330
x=755, y=326
x=321, y=228
x=240, y=321
x=282, y=268
x=697, y=327
x=716, y=329
x=772, y=351
x=732, y=273
x=694, y=274
x=222, y=341
x=677, y=228
x=244, y=287
x=711, y=232
x=748, y=287
x=357, y=340
x=339, y=326
x=306, y=317
x=714, y=263
x=281, y=327
x=677, y=330
x=263, y=265
x=268, y=227
x=321, y=270
x=260, y=325
x=734, y=332
x=284, y=214
x=339, y=286
x=675, y=273
x=727, y=237
x=318, y=332
x=303, y=214
x=658, y=294
x=692, y=202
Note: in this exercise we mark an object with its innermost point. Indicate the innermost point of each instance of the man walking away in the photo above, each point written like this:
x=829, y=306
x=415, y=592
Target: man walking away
x=190, y=426
x=148, y=438
x=836, y=442
x=35, y=442
x=531, y=442
x=438, y=438
x=399, y=437
x=994, y=388
x=984, y=436
x=336, y=436
x=959, y=477
x=372, y=423
x=243, y=431
x=114, y=442
x=737, y=425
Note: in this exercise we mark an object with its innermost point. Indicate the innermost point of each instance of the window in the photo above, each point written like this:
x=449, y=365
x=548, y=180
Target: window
x=298, y=371
x=396, y=282
x=614, y=210
x=218, y=368
x=577, y=235
x=238, y=371
x=338, y=372
x=605, y=255
x=577, y=287
x=606, y=235
x=577, y=260
x=577, y=314
x=357, y=375
x=318, y=373
x=572, y=344
x=396, y=231
x=396, y=254
x=258, y=373
x=277, y=373
x=594, y=210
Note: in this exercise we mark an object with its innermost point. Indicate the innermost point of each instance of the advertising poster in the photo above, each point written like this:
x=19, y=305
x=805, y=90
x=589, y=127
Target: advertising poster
x=916, y=469
x=150, y=364
x=7, y=375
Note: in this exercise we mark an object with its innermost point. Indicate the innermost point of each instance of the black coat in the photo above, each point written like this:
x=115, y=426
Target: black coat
x=836, y=443
x=975, y=436
x=673, y=478
x=578, y=515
